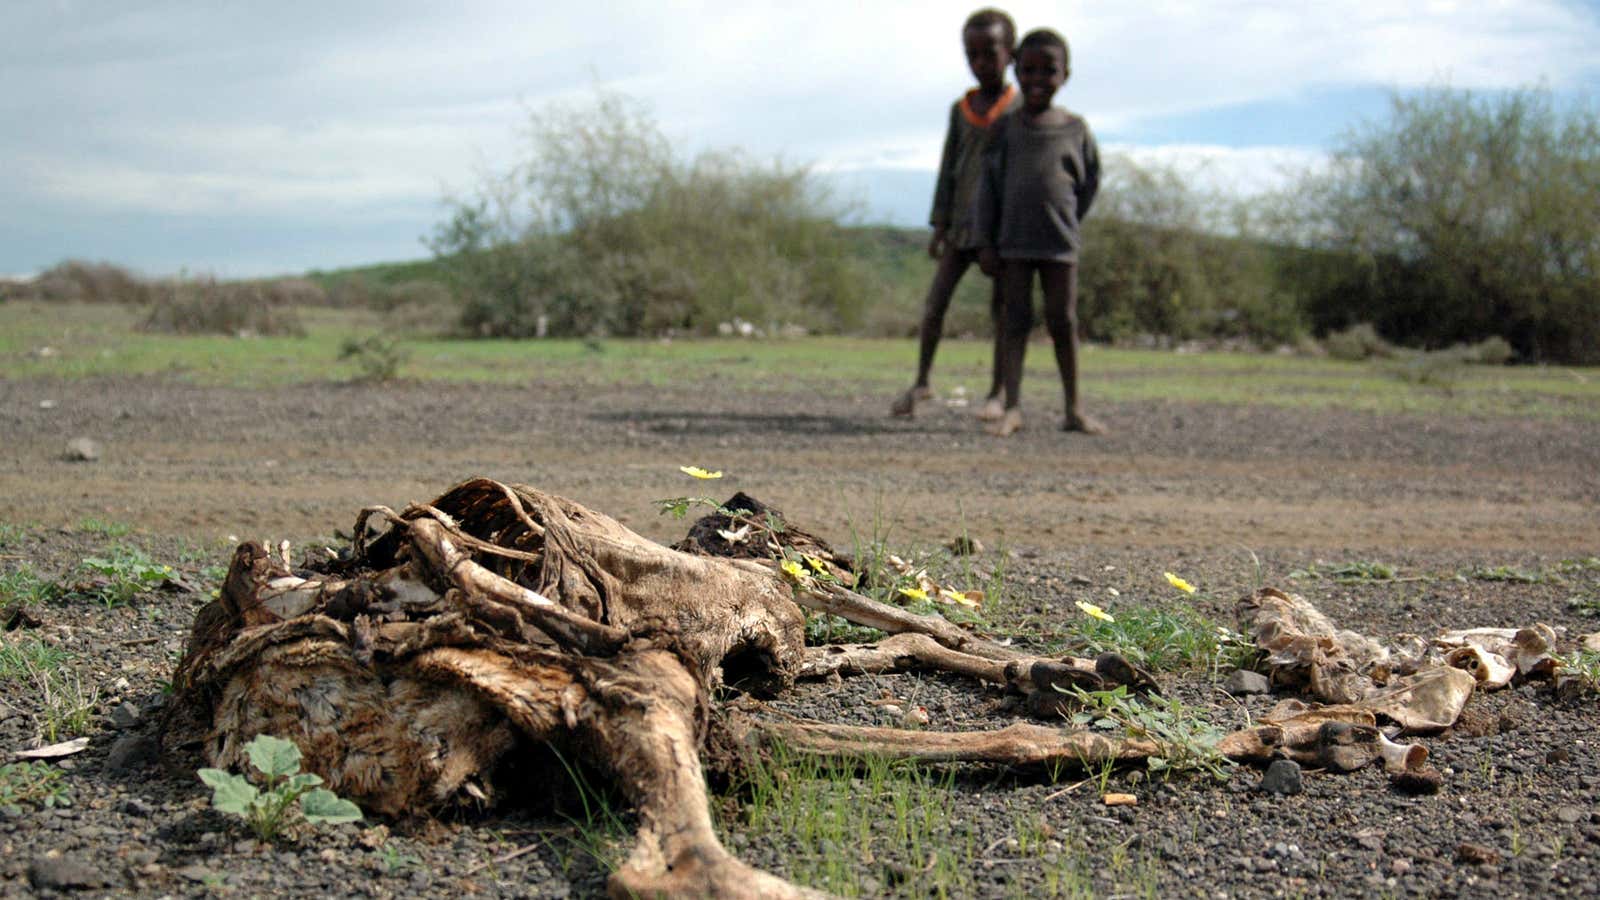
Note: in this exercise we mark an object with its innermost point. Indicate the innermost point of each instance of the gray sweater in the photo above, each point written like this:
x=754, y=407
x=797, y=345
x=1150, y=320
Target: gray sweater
x=1037, y=186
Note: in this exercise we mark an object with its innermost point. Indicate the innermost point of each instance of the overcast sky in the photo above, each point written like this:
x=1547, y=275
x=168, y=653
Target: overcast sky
x=253, y=138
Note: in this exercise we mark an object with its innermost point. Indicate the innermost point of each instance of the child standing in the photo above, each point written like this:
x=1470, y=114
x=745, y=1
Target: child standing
x=1041, y=171
x=988, y=37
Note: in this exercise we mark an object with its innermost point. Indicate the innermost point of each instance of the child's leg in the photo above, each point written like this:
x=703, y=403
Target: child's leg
x=994, y=406
x=1016, y=285
x=1059, y=282
x=952, y=265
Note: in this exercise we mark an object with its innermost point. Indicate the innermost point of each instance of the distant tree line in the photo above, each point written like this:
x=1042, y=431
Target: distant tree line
x=1458, y=219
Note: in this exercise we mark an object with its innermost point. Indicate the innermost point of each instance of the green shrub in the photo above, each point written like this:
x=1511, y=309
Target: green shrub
x=85, y=282
x=378, y=358
x=207, y=306
x=1163, y=257
x=1458, y=218
x=605, y=229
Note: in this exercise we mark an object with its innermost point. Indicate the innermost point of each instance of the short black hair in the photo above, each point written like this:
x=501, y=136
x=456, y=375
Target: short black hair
x=1047, y=37
x=989, y=17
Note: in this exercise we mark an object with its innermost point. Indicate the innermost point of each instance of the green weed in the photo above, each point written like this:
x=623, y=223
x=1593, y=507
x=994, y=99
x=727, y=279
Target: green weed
x=267, y=810
x=33, y=783
x=117, y=578
x=1188, y=742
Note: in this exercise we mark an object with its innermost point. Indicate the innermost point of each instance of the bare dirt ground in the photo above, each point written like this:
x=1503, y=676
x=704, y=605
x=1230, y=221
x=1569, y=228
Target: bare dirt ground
x=1211, y=491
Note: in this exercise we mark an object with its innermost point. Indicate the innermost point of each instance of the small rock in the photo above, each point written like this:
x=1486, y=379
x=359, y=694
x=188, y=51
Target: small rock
x=1558, y=756
x=1243, y=682
x=131, y=751
x=82, y=449
x=964, y=546
x=65, y=873
x=124, y=716
x=1476, y=855
x=1569, y=815
x=198, y=873
x=1400, y=866
x=1283, y=777
x=1417, y=782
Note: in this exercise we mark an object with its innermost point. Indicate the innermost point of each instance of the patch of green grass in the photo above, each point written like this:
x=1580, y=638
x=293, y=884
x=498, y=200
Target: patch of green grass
x=104, y=528
x=65, y=705
x=1348, y=572
x=1589, y=606
x=11, y=534
x=1168, y=638
x=32, y=783
x=21, y=587
x=22, y=658
x=98, y=340
x=599, y=833
x=1511, y=574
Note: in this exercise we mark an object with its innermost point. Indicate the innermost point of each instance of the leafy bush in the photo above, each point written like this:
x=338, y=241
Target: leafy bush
x=85, y=282
x=1459, y=218
x=268, y=809
x=1163, y=257
x=207, y=306
x=604, y=229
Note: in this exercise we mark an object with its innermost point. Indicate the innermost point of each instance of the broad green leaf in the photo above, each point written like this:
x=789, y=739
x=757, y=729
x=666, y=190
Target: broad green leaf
x=303, y=782
x=274, y=756
x=229, y=793
x=320, y=807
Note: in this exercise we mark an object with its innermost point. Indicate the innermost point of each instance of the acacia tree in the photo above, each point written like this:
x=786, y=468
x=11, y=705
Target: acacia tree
x=1465, y=216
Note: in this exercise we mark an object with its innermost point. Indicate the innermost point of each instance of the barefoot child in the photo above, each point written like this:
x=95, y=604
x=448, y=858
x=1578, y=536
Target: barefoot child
x=1041, y=171
x=987, y=37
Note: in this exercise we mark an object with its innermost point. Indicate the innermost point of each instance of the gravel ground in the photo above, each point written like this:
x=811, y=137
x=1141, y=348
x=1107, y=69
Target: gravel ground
x=1217, y=494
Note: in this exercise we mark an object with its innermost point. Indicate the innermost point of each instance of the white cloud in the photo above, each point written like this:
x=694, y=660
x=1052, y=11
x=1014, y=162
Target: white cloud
x=260, y=109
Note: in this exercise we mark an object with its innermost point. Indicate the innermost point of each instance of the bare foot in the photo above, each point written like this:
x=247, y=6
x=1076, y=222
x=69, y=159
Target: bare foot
x=1083, y=423
x=1009, y=423
x=991, y=410
x=906, y=404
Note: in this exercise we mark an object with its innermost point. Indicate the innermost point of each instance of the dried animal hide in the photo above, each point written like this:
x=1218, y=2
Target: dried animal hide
x=1495, y=656
x=423, y=670
x=1305, y=649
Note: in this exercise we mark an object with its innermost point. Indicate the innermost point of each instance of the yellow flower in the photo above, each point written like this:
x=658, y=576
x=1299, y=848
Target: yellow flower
x=915, y=593
x=1094, y=612
x=816, y=565
x=793, y=570
x=1179, y=583
x=697, y=472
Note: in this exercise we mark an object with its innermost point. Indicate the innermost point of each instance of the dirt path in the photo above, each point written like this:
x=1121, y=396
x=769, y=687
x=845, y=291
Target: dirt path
x=207, y=463
x=1450, y=501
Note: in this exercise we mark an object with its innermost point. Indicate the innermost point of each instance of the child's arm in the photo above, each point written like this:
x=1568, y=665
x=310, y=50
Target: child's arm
x=944, y=189
x=1089, y=185
x=986, y=205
